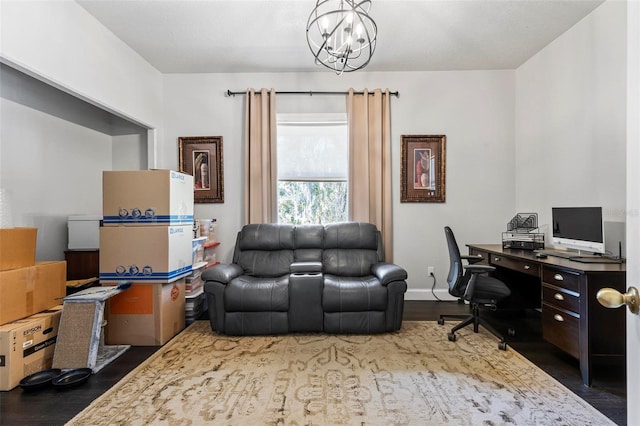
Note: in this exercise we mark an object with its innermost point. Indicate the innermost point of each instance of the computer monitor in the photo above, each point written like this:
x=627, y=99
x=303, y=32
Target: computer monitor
x=578, y=228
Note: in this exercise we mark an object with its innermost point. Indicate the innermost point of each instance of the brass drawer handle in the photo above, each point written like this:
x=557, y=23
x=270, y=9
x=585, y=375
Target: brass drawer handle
x=558, y=296
x=558, y=317
x=527, y=267
x=558, y=277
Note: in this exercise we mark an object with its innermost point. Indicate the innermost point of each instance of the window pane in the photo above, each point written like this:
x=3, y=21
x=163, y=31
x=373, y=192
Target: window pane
x=312, y=151
x=312, y=202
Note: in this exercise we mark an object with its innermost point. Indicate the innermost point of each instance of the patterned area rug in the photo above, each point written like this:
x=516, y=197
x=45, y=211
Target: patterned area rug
x=411, y=377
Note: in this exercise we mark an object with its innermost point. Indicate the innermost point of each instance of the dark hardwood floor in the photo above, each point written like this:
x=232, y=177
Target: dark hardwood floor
x=607, y=394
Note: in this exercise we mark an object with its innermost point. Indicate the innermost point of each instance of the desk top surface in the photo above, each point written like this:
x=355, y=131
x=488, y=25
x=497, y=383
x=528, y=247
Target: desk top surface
x=530, y=255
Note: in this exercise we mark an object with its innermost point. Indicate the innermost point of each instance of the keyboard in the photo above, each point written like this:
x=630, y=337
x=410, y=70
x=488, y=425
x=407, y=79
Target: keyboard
x=578, y=258
x=557, y=253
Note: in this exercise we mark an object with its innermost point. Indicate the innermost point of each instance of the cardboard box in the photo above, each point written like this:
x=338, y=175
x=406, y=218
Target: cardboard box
x=27, y=291
x=147, y=197
x=27, y=346
x=145, y=314
x=84, y=232
x=17, y=248
x=145, y=253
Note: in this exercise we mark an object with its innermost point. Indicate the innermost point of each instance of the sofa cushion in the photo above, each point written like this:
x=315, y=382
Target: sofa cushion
x=352, y=294
x=268, y=264
x=350, y=249
x=348, y=263
x=351, y=235
x=308, y=240
x=265, y=250
x=266, y=236
x=252, y=294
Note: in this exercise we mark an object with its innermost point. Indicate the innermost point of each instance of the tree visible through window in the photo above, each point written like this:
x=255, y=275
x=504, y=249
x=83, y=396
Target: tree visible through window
x=312, y=168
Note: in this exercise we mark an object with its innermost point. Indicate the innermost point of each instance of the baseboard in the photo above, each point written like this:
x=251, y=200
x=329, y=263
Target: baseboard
x=424, y=294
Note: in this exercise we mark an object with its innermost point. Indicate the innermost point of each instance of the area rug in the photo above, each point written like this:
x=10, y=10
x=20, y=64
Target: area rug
x=411, y=377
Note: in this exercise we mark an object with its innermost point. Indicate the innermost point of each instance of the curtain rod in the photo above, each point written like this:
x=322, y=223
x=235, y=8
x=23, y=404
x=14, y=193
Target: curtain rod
x=310, y=93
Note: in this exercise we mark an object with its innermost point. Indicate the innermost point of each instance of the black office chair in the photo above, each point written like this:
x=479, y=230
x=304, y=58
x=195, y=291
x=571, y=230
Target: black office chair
x=470, y=283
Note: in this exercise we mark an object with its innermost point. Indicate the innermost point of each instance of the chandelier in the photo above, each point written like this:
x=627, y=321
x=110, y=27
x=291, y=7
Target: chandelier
x=341, y=34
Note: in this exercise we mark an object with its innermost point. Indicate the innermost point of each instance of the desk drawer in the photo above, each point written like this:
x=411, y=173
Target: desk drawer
x=484, y=254
x=561, y=298
x=520, y=265
x=562, y=329
x=561, y=278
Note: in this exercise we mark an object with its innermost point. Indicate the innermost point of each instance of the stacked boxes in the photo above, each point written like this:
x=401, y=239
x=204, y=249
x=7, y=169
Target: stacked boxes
x=17, y=248
x=144, y=253
x=30, y=290
x=146, y=314
x=147, y=197
x=27, y=346
x=27, y=290
x=146, y=239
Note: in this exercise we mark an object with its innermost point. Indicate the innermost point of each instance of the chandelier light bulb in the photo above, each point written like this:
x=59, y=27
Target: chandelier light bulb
x=332, y=38
x=349, y=19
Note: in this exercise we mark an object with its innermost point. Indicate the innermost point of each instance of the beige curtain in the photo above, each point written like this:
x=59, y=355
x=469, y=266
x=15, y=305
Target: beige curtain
x=260, y=161
x=370, y=162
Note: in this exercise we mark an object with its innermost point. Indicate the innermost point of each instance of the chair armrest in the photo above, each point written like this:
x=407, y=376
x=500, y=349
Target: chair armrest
x=388, y=272
x=479, y=269
x=474, y=270
x=301, y=267
x=472, y=259
x=222, y=273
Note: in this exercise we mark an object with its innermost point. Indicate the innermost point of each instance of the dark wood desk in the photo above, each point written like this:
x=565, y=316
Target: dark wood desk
x=572, y=318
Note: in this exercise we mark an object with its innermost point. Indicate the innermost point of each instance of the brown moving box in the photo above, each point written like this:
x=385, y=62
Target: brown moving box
x=27, y=291
x=17, y=248
x=152, y=254
x=27, y=346
x=147, y=197
x=145, y=314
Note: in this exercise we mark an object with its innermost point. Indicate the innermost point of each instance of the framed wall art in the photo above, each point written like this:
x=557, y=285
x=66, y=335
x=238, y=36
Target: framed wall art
x=201, y=157
x=423, y=169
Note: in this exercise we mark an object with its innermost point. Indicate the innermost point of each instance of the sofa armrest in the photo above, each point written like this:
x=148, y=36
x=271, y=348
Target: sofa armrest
x=388, y=272
x=301, y=267
x=222, y=273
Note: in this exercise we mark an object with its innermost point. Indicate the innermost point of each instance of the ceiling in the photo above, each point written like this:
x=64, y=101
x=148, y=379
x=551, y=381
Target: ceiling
x=209, y=36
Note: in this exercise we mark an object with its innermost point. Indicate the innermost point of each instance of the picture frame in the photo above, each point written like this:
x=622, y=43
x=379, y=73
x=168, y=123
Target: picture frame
x=423, y=169
x=201, y=157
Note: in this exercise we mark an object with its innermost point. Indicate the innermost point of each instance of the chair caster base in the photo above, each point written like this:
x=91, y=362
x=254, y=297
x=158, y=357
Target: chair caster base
x=451, y=337
x=502, y=346
x=441, y=321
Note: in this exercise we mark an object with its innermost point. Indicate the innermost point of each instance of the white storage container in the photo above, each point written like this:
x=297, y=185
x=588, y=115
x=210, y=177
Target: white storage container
x=84, y=232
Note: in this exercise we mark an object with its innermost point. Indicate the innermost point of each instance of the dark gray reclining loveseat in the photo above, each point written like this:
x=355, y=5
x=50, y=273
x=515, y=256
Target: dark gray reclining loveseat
x=306, y=278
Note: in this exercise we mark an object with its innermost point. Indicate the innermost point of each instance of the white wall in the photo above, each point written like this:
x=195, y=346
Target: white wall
x=474, y=109
x=59, y=42
x=53, y=149
x=51, y=168
x=509, y=133
x=54, y=146
x=571, y=120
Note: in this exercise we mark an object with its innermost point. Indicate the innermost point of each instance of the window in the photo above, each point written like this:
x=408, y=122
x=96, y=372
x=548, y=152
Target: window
x=312, y=168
